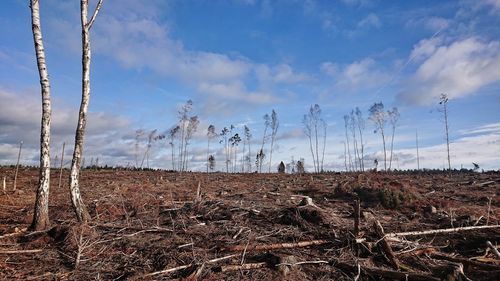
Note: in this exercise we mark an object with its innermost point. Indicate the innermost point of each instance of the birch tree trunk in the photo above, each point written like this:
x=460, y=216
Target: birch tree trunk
x=41, y=214
x=79, y=207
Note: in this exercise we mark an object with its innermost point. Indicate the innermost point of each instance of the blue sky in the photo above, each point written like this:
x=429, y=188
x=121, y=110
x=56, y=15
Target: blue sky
x=239, y=59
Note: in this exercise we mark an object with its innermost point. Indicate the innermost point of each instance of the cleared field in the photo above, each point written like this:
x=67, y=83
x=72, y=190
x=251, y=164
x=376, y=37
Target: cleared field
x=164, y=225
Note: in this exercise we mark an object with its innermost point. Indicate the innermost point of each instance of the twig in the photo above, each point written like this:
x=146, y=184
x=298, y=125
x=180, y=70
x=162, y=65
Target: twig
x=245, y=266
x=174, y=269
x=387, y=274
x=465, y=261
x=493, y=249
x=303, y=262
x=267, y=247
x=489, y=209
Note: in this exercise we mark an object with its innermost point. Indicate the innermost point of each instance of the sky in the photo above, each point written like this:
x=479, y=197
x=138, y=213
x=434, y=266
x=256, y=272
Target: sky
x=240, y=59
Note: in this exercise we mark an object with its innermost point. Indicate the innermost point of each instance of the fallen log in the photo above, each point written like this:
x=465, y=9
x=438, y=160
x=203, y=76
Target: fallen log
x=268, y=247
x=386, y=248
x=443, y=230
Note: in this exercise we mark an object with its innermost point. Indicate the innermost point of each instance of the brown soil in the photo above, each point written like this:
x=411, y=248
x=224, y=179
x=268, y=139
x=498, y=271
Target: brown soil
x=148, y=221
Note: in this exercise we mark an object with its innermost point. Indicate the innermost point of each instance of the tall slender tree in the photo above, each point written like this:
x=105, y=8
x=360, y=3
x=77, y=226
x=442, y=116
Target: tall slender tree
x=443, y=100
x=172, y=135
x=274, y=130
x=379, y=118
x=352, y=127
x=325, y=126
x=41, y=214
x=307, y=121
x=210, y=135
x=418, y=156
x=361, y=127
x=393, y=119
x=76, y=199
x=223, y=135
x=248, y=138
x=346, y=126
x=311, y=123
x=261, y=154
x=191, y=128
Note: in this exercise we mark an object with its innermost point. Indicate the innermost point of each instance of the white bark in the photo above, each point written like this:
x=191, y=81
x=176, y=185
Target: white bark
x=74, y=185
x=41, y=213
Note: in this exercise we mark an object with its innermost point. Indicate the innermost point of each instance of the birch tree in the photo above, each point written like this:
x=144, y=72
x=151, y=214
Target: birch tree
x=311, y=123
x=223, y=134
x=172, y=135
x=361, y=127
x=41, y=213
x=346, y=126
x=261, y=154
x=379, y=118
x=274, y=130
x=248, y=137
x=443, y=100
x=191, y=128
x=210, y=135
x=74, y=184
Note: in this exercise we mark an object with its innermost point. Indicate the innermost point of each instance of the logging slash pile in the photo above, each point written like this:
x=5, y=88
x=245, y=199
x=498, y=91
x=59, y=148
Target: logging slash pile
x=158, y=225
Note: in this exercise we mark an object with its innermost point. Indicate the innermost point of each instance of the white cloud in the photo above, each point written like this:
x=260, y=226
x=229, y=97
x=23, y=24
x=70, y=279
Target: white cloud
x=488, y=128
x=236, y=91
x=141, y=42
x=494, y=3
x=362, y=74
x=361, y=3
x=282, y=73
x=459, y=69
x=371, y=20
x=20, y=114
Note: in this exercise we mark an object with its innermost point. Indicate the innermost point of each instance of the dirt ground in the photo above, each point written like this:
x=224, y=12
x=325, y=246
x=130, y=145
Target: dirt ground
x=159, y=225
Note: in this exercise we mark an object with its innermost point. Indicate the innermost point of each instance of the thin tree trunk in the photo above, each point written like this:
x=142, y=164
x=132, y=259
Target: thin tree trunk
x=385, y=152
x=62, y=163
x=418, y=157
x=355, y=147
x=392, y=146
x=250, y=156
x=345, y=158
x=316, y=137
x=79, y=207
x=447, y=135
x=312, y=151
x=362, y=149
x=271, y=153
x=208, y=153
x=324, y=147
x=17, y=164
x=348, y=149
x=41, y=212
